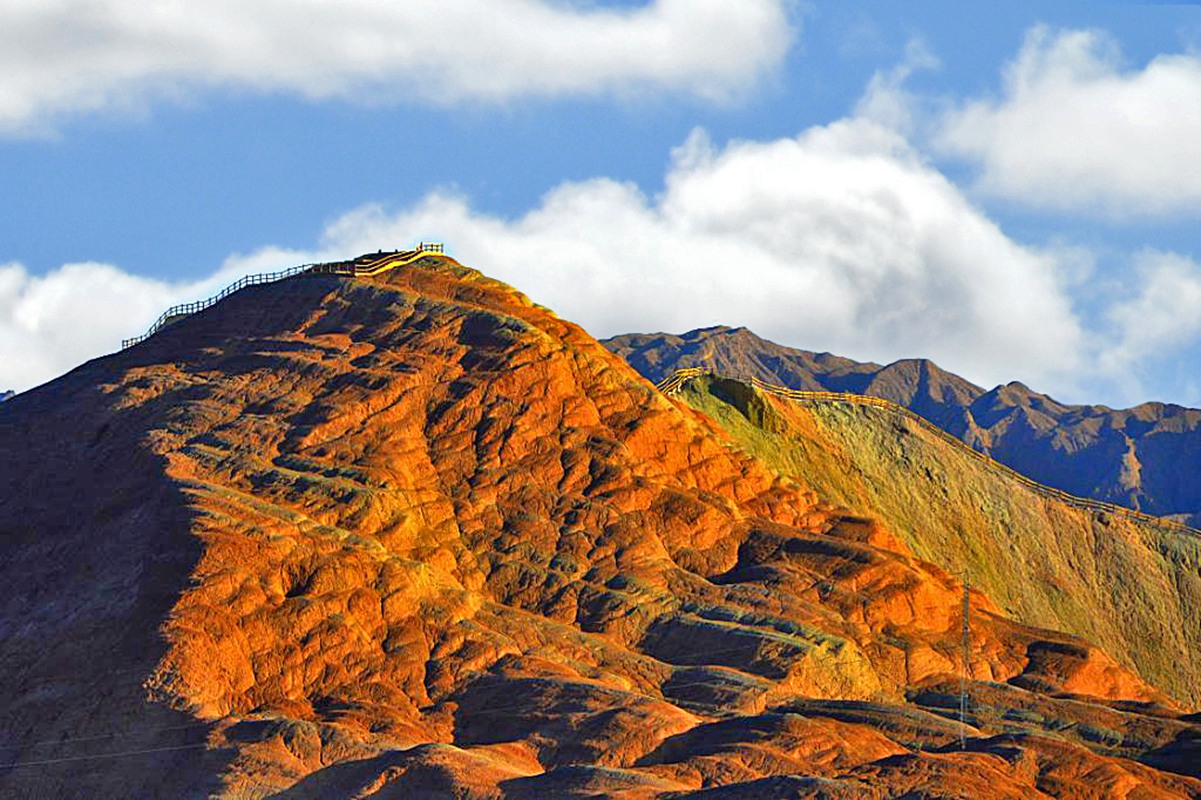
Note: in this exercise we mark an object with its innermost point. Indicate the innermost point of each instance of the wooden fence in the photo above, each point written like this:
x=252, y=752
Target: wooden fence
x=365, y=266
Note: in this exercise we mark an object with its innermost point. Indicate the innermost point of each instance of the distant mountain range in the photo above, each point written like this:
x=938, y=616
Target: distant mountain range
x=1147, y=457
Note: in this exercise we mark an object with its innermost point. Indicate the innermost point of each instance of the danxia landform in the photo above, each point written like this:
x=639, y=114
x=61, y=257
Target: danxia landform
x=413, y=535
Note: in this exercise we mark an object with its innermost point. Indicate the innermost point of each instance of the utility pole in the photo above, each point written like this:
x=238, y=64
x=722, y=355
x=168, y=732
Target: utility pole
x=964, y=674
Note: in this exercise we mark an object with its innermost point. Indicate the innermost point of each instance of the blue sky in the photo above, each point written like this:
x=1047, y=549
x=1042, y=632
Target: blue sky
x=1011, y=189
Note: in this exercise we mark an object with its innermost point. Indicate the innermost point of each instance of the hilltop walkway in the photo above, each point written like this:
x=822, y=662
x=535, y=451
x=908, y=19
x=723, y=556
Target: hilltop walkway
x=361, y=267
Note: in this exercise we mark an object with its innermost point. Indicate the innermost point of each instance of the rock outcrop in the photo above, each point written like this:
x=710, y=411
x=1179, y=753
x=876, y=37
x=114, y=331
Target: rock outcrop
x=417, y=536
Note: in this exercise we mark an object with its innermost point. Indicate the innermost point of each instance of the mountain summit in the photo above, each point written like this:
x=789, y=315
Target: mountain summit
x=413, y=535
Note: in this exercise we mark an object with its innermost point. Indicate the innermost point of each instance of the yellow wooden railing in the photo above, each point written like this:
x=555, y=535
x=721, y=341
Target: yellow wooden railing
x=368, y=266
x=675, y=382
x=362, y=267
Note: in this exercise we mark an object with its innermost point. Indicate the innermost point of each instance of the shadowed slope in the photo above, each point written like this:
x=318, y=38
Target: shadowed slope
x=439, y=540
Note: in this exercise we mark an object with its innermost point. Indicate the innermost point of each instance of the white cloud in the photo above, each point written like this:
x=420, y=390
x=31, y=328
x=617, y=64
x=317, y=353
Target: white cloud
x=886, y=100
x=1073, y=129
x=1158, y=320
x=52, y=323
x=842, y=239
x=68, y=56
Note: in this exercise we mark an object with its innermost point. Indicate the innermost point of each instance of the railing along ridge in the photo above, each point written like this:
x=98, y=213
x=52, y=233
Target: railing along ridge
x=374, y=266
x=676, y=381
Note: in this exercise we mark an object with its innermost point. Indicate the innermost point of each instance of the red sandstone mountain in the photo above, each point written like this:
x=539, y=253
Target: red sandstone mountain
x=1147, y=457
x=416, y=536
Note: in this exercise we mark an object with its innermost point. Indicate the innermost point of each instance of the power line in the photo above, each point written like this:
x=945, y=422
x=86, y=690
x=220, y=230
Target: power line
x=123, y=754
x=70, y=740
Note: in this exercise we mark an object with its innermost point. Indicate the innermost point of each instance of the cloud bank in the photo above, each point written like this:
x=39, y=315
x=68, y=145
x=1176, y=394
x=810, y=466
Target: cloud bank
x=1074, y=130
x=61, y=57
x=842, y=238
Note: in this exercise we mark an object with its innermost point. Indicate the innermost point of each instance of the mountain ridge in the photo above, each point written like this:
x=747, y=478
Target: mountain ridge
x=1125, y=456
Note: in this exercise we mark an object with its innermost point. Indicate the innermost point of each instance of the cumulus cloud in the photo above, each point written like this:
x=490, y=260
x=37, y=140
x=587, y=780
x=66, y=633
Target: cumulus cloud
x=1074, y=129
x=1157, y=319
x=69, y=56
x=52, y=323
x=842, y=238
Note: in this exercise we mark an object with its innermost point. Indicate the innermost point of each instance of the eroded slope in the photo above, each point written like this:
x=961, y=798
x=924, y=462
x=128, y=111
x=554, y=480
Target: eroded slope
x=1133, y=587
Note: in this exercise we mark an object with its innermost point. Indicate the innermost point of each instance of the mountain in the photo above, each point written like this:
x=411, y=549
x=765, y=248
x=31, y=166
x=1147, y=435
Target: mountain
x=1042, y=561
x=5, y=395
x=415, y=536
x=1146, y=458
